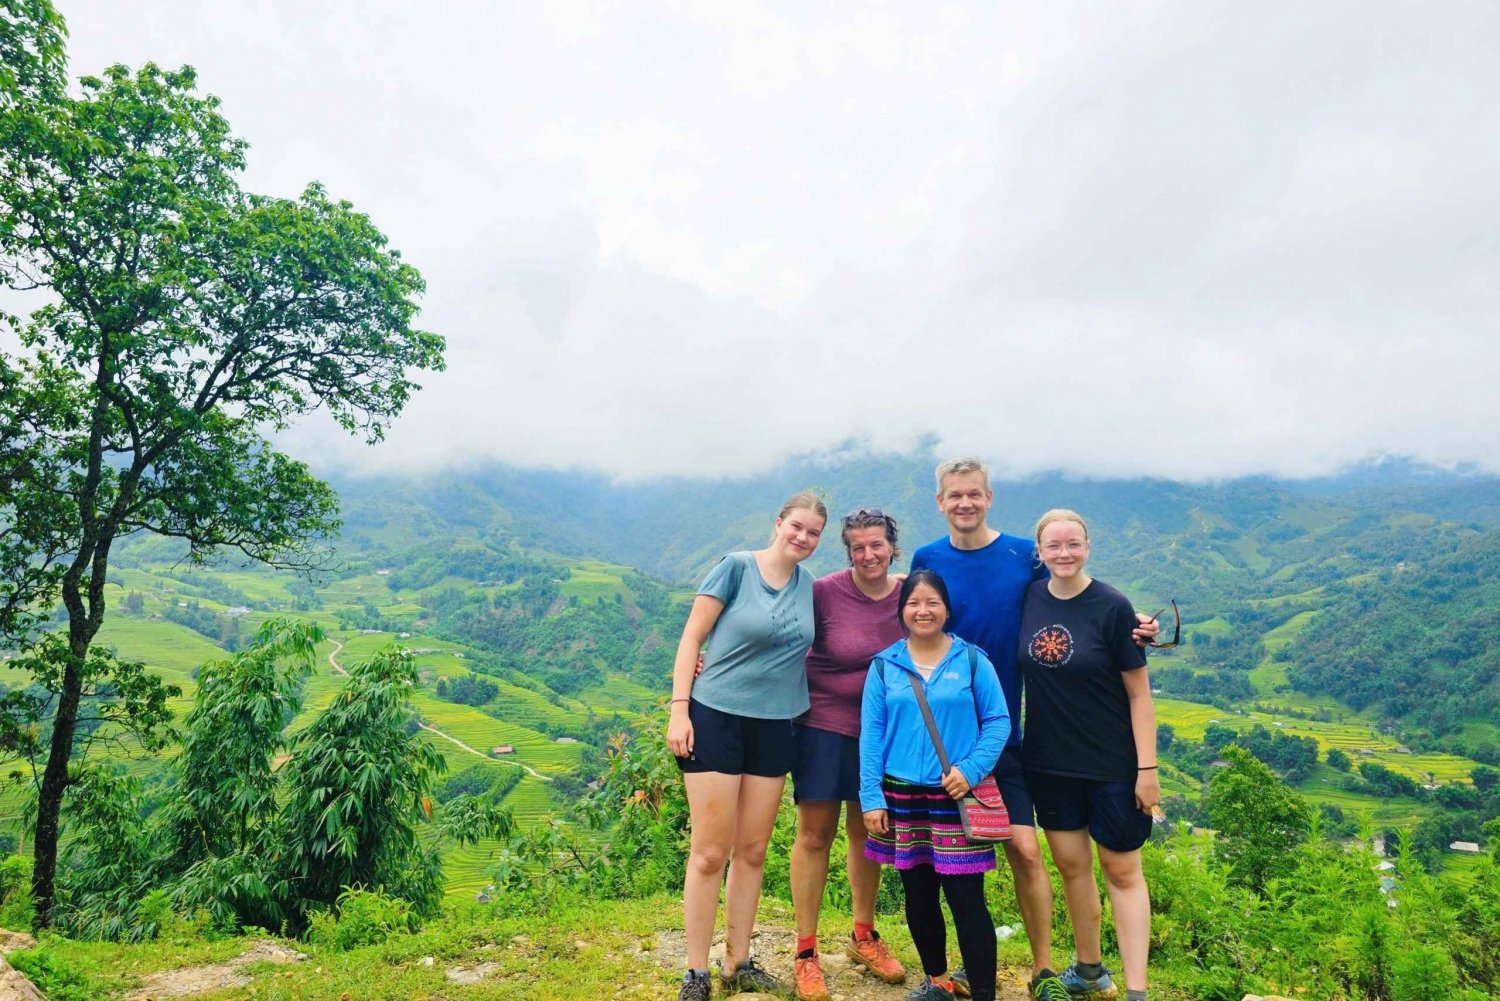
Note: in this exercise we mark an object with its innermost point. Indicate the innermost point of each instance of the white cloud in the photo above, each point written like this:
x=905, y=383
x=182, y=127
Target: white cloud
x=1181, y=239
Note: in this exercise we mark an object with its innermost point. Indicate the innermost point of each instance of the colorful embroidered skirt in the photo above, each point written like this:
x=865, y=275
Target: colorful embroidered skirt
x=925, y=830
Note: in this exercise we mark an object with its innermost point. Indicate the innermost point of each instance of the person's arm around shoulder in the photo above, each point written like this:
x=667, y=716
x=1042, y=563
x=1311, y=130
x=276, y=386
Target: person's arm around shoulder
x=994, y=722
x=1143, y=730
x=872, y=723
x=705, y=612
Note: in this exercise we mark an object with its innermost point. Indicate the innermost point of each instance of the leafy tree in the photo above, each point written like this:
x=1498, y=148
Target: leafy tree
x=1258, y=818
x=116, y=699
x=1386, y=782
x=1339, y=760
x=224, y=814
x=1216, y=736
x=1165, y=736
x=467, y=690
x=31, y=51
x=357, y=783
x=184, y=317
x=110, y=863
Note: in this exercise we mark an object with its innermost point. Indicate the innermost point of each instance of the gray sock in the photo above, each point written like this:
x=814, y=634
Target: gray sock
x=1135, y=996
x=695, y=974
x=1093, y=971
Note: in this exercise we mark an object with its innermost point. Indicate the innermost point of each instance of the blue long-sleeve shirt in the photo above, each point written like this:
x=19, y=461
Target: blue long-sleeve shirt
x=893, y=738
x=987, y=588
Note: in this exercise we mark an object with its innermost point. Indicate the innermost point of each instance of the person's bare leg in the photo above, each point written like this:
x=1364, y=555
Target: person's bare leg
x=760, y=797
x=1131, y=903
x=817, y=824
x=1023, y=853
x=864, y=873
x=1072, y=853
x=713, y=802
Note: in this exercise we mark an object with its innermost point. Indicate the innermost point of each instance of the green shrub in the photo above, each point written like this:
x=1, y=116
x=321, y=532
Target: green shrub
x=58, y=979
x=1423, y=973
x=364, y=917
x=16, y=907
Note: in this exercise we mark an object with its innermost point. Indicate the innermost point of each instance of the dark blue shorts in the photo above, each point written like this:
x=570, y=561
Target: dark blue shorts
x=1107, y=809
x=1011, y=779
x=738, y=745
x=827, y=766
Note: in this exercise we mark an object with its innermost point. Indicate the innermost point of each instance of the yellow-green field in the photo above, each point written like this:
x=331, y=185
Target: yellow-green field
x=1190, y=719
x=592, y=579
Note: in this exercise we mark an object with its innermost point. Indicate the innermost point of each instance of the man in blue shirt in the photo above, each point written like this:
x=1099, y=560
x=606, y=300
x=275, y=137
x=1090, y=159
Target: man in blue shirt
x=987, y=573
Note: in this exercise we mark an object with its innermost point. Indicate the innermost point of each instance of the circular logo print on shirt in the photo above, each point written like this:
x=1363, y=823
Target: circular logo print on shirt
x=1051, y=646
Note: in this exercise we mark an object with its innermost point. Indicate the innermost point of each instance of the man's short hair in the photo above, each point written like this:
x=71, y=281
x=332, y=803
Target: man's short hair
x=963, y=464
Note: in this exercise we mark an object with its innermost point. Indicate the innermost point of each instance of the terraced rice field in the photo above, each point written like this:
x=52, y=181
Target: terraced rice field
x=524, y=706
x=483, y=732
x=619, y=693
x=592, y=579
x=1190, y=719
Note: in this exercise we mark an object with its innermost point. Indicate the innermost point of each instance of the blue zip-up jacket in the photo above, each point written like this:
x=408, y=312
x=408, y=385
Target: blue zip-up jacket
x=893, y=739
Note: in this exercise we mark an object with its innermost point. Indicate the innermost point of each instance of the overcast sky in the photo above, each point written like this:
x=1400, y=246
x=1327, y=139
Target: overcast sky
x=1189, y=239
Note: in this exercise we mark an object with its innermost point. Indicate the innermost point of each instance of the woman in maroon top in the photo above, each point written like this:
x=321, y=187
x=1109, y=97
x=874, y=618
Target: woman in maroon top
x=855, y=614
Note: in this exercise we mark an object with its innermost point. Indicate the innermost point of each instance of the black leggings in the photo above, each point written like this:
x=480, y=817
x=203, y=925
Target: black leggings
x=971, y=919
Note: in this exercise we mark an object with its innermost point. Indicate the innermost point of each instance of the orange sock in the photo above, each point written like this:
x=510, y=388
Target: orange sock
x=862, y=931
x=807, y=943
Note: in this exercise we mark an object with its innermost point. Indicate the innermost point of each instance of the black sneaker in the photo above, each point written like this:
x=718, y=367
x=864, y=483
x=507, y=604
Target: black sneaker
x=695, y=987
x=751, y=976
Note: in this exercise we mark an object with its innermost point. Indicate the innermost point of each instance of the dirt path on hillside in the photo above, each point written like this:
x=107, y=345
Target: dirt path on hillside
x=193, y=980
x=774, y=947
x=338, y=669
x=528, y=769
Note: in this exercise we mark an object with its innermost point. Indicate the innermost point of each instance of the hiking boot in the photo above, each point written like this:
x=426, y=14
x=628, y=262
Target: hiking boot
x=876, y=957
x=960, y=984
x=694, y=988
x=929, y=991
x=1080, y=986
x=1048, y=988
x=751, y=976
x=811, y=986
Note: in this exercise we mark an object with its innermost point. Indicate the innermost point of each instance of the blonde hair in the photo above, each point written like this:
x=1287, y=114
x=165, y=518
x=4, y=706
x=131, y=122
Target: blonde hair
x=1060, y=514
x=963, y=464
x=807, y=501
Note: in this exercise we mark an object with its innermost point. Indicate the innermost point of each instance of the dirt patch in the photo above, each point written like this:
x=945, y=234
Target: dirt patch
x=191, y=980
x=11, y=941
x=775, y=947
x=471, y=975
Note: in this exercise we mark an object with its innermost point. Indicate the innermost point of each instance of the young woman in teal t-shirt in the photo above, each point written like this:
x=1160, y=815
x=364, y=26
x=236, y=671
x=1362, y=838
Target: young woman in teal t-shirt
x=731, y=730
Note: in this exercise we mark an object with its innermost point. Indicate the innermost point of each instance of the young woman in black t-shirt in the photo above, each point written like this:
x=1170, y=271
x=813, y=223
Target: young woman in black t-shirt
x=1089, y=749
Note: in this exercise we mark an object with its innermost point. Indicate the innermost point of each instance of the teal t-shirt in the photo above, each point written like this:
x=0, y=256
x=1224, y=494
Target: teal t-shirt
x=754, y=662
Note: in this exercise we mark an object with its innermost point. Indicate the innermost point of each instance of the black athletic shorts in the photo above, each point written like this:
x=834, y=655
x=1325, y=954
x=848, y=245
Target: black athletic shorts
x=1107, y=809
x=1011, y=779
x=738, y=745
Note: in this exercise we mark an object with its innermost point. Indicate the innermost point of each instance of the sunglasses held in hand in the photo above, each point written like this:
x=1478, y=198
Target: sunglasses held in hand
x=1176, y=628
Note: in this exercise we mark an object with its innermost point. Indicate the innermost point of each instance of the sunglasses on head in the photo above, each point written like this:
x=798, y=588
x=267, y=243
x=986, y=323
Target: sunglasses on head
x=864, y=516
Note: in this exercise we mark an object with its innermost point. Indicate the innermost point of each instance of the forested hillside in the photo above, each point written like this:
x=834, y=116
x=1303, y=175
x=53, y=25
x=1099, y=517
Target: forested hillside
x=1417, y=642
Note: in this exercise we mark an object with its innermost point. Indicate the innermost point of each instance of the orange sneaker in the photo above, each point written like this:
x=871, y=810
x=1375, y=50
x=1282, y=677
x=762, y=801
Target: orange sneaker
x=876, y=957
x=809, y=975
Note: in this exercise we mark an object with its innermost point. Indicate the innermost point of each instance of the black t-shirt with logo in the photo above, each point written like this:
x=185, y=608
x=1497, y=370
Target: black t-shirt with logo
x=1072, y=654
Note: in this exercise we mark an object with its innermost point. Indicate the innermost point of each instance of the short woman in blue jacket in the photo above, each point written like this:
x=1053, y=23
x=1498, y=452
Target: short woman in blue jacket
x=909, y=803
